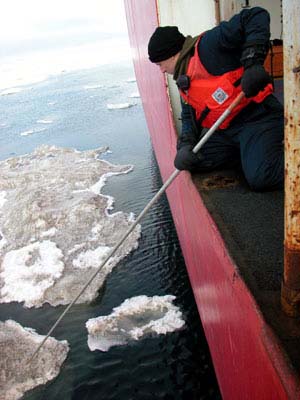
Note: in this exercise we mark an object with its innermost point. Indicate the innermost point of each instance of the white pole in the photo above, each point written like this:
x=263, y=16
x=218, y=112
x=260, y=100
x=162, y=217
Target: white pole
x=141, y=215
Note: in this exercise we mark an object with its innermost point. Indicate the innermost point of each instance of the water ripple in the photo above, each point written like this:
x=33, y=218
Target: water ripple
x=172, y=366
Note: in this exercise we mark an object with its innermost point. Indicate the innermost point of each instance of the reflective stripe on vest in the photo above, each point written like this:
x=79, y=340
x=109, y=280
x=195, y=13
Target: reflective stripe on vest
x=211, y=95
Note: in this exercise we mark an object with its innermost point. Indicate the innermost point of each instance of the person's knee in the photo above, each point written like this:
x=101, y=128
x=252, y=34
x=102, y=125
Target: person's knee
x=266, y=177
x=257, y=185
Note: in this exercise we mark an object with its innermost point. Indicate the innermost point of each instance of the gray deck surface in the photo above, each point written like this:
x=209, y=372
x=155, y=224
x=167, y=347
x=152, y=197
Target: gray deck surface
x=251, y=224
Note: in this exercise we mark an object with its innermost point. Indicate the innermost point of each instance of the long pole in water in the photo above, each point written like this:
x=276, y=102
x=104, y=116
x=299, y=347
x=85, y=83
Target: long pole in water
x=141, y=215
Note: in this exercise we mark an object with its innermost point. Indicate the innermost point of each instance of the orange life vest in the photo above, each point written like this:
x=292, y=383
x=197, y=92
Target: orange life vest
x=211, y=95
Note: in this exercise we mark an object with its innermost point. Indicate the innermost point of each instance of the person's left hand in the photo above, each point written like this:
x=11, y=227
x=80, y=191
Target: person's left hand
x=187, y=160
x=254, y=79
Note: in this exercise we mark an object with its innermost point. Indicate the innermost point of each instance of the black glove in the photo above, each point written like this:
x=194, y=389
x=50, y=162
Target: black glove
x=187, y=160
x=254, y=79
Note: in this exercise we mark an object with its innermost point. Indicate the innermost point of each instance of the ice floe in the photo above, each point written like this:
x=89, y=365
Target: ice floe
x=134, y=319
x=32, y=131
x=134, y=95
x=28, y=272
x=45, y=121
x=3, y=198
x=119, y=106
x=92, y=87
x=17, y=345
x=55, y=225
x=11, y=91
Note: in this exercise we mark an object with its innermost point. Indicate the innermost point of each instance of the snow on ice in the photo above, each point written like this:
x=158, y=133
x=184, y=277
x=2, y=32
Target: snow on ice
x=134, y=319
x=55, y=225
x=16, y=347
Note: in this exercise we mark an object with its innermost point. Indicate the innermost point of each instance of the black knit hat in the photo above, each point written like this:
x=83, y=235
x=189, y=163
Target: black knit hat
x=165, y=42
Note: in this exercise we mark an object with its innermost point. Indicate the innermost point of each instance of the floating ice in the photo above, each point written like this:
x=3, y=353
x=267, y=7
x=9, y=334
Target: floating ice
x=28, y=69
x=17, y=344
x=134, y=95
x=119, y=106
x=29, y=271
x=88, y=259
x=2, y=201
x=132, y=320
x=55, y=227
x=88, y=87
x=32, y=131
x=3, y=241
x=11, y=91
x=2, y=198
x=50, y=232
x=45, y=121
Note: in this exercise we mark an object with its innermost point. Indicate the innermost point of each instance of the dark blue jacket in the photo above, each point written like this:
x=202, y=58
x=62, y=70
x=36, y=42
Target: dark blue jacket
x=221, y=48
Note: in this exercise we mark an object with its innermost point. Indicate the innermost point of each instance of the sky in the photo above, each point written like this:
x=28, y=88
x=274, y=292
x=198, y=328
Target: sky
x=43, y=37
x=23, y=20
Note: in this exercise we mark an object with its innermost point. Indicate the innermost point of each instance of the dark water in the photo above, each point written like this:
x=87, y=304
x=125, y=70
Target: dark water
x=172, y=366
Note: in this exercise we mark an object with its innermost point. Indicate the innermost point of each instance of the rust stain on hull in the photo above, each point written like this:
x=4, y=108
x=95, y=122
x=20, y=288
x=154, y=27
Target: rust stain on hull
x=216, y=182
x=292, y=268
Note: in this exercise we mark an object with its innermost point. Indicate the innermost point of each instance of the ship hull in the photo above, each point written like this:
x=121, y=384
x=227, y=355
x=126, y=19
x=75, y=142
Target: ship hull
x=247, y=357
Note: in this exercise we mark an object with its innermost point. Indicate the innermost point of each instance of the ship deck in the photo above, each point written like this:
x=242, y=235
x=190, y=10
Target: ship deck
x=252, y=226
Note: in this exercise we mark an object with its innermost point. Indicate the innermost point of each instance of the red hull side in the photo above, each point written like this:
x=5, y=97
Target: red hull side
x=248, y=361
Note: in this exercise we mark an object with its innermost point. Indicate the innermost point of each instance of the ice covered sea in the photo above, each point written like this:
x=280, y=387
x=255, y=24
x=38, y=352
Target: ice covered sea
x=85, y=110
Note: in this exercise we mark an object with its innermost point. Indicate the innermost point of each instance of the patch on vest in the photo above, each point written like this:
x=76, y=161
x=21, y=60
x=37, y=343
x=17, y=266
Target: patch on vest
x=220, y=96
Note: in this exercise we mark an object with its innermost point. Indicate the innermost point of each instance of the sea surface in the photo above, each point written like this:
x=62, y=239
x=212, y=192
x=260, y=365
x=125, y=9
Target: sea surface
x=87, y=109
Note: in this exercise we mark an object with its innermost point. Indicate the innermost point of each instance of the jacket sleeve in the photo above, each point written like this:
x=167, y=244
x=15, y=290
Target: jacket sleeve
x=221, y=47
x=189, y=135
x=250, y=25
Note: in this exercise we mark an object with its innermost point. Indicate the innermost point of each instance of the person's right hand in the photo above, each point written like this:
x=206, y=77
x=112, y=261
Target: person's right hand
x=187, y=160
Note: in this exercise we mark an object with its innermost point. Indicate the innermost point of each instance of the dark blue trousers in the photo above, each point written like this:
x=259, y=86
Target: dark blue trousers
x=254, y=139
